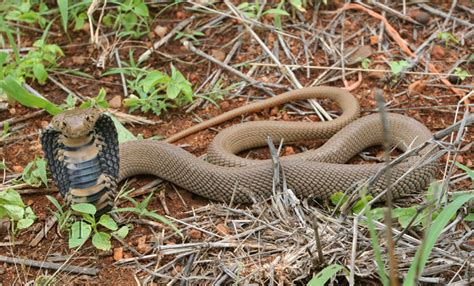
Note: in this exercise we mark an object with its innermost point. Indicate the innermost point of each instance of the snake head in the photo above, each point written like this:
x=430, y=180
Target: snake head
x=75, y=122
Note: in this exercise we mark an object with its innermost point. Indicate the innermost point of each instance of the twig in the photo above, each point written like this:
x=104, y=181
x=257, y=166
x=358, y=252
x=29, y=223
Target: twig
x=49, y=265
x=165, y=39
x=444, y=15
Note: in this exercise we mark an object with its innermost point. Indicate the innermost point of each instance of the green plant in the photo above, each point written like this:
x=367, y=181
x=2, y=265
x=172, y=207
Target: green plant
x=324, y=275
x=132, y=15
x=447, y=37
x=398, y=67
x=461, y=73
x=365, y=63
x=141, y=209
x=191, y=35
x=96, y=102
x=34, y=173
x=154, y=90
x=5, y=131
x=12, y=207
x=249, y=10
x=22, y=11
x=101, y=230
x=62, y=216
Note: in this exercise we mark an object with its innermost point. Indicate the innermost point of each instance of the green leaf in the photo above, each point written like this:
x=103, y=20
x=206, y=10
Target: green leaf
x=55, y=202
x=122, y=232
x=360, y=205
x=469, y=217
x=324, y=275
x=63, y=10
x=162, y=219
x=11, y=197
x=85, y=208
x=276, y=12
x=432, y=234
x=108, y=222
x=101, y=240
x=468, y=171
x=397, y=67
x=338, y=198
x=123, y=134
x=405, y=215
x=378, y=213
x=152, y=79
x=14, y=90
x=298, y=5
x=14, y=212
x=24, y=223
x=80, y=232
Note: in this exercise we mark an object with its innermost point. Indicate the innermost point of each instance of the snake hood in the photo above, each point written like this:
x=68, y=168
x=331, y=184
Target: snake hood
x=76, y=123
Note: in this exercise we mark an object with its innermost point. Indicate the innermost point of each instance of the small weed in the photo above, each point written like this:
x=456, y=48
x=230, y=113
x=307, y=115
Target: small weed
x=101, y=230
x=22, y=11
x=191, y=35
x=461, y=73
x=155, y=90
x=34, y=173
x=96, y=102
x=365, y=63
x=249, y=10
x=398, y=67
x=13, y=208
x=447, y=38
x=141, y=209
x=63, y=216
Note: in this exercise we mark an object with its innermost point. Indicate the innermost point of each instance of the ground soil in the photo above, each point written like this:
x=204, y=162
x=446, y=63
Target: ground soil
x=79, y=54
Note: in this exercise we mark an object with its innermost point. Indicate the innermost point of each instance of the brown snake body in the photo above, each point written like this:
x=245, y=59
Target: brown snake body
x=317, y=173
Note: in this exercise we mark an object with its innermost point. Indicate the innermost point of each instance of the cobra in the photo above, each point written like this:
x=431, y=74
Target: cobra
x=83, y=154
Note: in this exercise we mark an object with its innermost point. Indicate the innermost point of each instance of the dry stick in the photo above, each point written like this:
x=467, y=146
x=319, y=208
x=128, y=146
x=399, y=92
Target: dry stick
x=394, y=12
x=401, y=42
x=322, y=114
x=122, y=76
x=165, y=39
x=27, y=116
x=42, y=233
x=388, y=212
x=49, y=265
x=446, y=16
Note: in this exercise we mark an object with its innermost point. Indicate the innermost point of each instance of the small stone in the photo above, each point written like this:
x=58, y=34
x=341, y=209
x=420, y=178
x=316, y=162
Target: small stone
x=222, y=229
x=180, y=15
x=29, y=202
x=118, y=253
x=422, y=17
x=362, y=53
x=160, y=31
x=18, y=169
x=12, y=111
x=469, y=163
x=374, y=40
x=218, y=54
x=454, y=79
x=44, y=124
x=225, y=105
x=460, y=159
x=377, y=73
x=285, y=117
x=86, y=27
x=78, y=60
x=116, y=102
x=289, y=150
x=274, y=111
x=416, y=87
x=438, y=52
x=194, y=234
x=142, y=246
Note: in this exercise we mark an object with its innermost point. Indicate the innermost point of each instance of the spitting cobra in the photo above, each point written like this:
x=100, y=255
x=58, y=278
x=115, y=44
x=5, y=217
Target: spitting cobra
x=83, y=155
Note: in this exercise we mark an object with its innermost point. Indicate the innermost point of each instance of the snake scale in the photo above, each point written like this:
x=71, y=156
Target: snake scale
x=225, y=176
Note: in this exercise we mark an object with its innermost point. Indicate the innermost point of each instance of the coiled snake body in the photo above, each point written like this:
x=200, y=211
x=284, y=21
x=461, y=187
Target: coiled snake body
x=316, y=173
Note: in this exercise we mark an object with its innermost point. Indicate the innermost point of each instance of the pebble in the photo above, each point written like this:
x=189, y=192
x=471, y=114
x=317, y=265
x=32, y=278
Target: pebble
x=218, y=54
x=416, y=87
x=379, y=74
x=274, y=111
x=142, y=246
x=116, y=102
x=194, y=234
x=289, y=150
x=118, y=253
x=438, y=52
x=223, y=229
x=44, y=124
x=422, y=17
x=78, y=60
x=454, y=79
x=12, y=111
x=225, y=105
x=160, y=31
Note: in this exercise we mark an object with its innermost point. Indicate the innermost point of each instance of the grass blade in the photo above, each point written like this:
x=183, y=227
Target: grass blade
x=63, y=9
x=422, y=254
x=14, y=90
x=324, y=275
